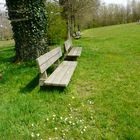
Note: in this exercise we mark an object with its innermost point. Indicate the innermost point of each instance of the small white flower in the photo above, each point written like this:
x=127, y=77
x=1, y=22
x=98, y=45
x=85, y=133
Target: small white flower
x=85, y=127
x=49, y=139
x=37, y=134
x=66, y=119
x=73, y=97
x=69, y=104
x=47, y=119
x=90, y=102
x=81, y=132
x=55, y=128
x=61, y=118
x=91, y=117
x=63, y=134
x=84, y=130
x=53, y=118
x=73, y=124
x=54, y=115
x=69, y=122
x=32, y=135
x=32, y=125
x=71, y=117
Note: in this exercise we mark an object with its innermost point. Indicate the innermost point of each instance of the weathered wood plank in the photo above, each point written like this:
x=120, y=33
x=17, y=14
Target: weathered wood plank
x=66, y=78
x=75, y=51
x=62, y=75
x=79, y=50
x=71, y=51
x=56, y=73
x=46, y=60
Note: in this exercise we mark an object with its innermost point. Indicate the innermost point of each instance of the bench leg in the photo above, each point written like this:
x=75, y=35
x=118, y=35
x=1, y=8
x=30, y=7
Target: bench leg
x=43, y=77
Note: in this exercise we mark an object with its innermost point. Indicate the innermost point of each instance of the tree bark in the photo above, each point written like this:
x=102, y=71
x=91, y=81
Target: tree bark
x=29, y=25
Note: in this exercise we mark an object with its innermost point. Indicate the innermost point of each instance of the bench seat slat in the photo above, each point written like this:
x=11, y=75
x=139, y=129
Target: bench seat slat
x=75, y=51
x=68, y=75
x=62, y=75
x=58, y=72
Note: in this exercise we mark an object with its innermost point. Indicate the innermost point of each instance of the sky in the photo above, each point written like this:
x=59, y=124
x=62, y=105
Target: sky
x=106, y=1
x=2, y=4
x=124, y=2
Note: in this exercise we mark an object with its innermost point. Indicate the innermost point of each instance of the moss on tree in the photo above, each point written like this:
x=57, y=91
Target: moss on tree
x=29, y=24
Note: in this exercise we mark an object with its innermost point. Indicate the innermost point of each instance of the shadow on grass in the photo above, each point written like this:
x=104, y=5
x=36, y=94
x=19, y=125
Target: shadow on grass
x=6, y=55
x=5, y=60
x=30, y=86
x=35, y=82
x=51, y=89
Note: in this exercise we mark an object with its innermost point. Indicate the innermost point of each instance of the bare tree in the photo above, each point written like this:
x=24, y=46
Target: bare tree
x=76, y=11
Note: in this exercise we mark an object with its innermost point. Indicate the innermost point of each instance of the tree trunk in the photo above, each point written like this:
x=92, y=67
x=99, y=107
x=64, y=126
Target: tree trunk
x=29, y=25
x=68, y=29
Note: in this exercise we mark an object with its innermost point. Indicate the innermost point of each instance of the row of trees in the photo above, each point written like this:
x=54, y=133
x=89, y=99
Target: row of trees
x=66, y=17
x=5, y=28
x=116, y=14
x=76, y=11
x=39, y=23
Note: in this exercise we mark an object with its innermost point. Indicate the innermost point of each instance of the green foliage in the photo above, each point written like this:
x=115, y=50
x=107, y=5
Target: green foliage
x=101, y=102
x=29, y=24
x=112, y=14
x=57, y=31
x=56, y=25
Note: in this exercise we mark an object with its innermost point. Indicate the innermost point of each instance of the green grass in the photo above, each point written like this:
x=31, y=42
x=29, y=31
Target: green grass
x=6, y=43
x=102, y=101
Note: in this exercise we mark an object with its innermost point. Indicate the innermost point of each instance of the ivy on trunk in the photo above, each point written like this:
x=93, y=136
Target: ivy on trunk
x=29, y=24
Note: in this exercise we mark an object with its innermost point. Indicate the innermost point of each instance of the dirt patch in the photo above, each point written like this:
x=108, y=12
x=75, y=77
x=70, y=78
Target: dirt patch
x=86, y=89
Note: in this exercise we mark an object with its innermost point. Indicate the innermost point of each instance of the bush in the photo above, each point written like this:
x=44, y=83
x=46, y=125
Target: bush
x=56, y=25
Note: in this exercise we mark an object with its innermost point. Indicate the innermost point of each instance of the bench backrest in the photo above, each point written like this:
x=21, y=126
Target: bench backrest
x=67, y=45
x=46, y=60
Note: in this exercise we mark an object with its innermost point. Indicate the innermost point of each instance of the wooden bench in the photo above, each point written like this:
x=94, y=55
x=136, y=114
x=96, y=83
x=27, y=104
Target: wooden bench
x=70, y=51
x=61, y=75
x=77, y=35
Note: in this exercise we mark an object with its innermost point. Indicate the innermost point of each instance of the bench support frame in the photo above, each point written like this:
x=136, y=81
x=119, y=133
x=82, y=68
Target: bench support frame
x=42, y=79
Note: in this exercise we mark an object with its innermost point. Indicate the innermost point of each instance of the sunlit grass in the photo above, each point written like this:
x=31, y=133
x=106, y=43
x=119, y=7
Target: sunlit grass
x=6, y=43
x=102, y=100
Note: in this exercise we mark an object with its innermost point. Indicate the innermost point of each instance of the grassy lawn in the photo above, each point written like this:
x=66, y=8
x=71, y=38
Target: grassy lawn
x=102, y=101
x=8, y=43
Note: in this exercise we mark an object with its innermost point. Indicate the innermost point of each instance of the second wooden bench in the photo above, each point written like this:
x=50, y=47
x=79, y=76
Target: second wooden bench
x=70, y=51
